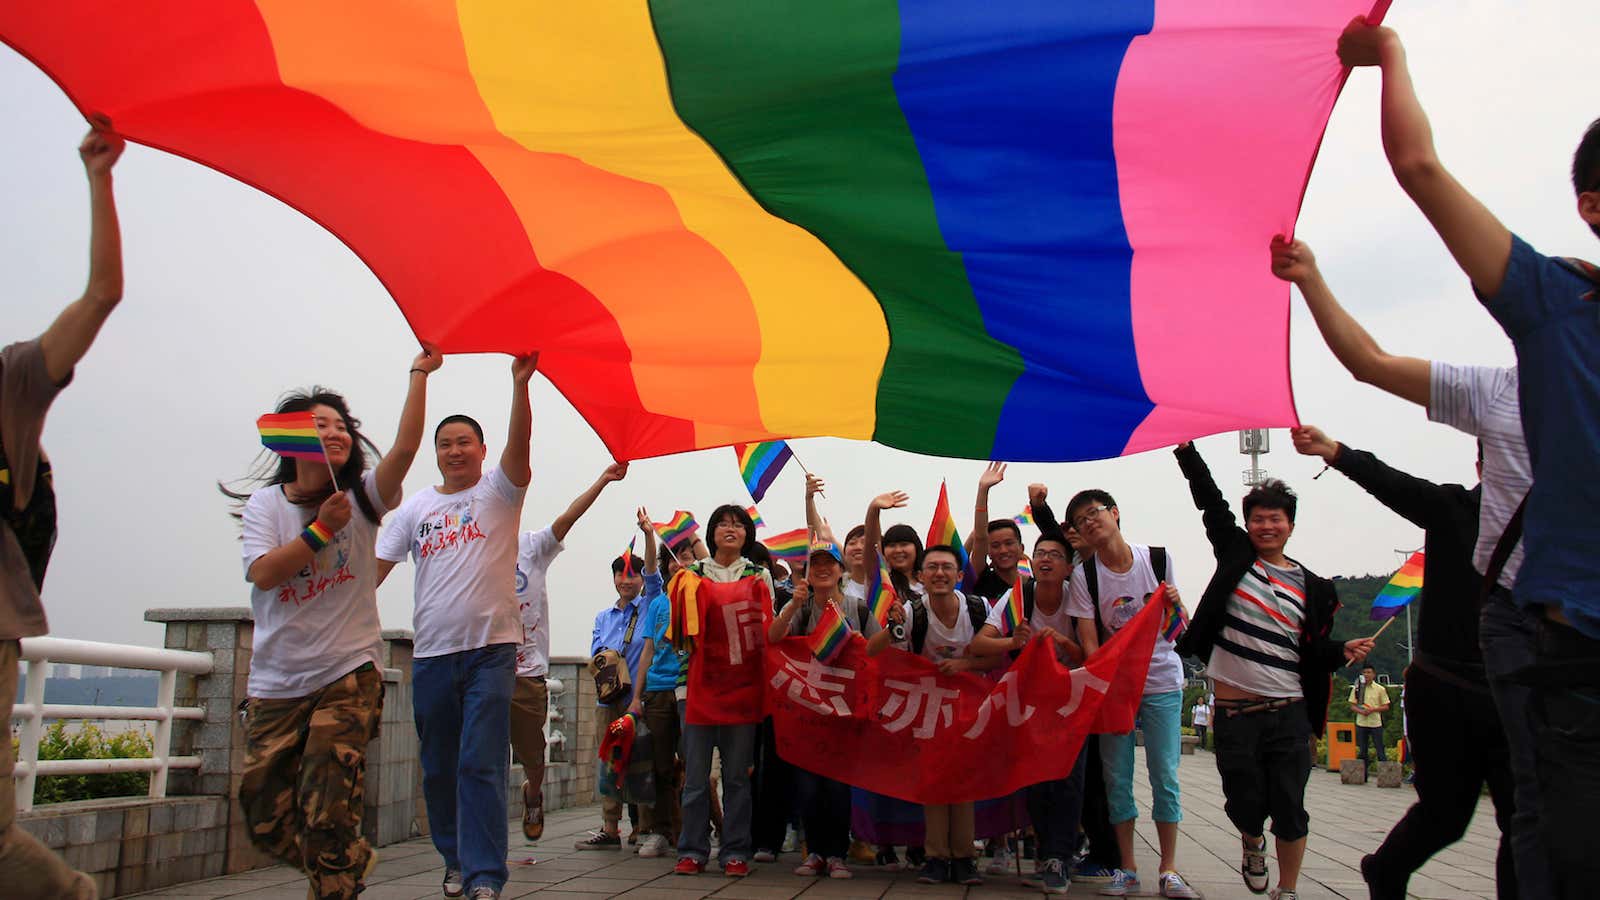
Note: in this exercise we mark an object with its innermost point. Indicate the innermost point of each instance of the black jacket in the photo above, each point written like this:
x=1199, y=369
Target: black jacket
x=1447, y=624
x=1320, y=655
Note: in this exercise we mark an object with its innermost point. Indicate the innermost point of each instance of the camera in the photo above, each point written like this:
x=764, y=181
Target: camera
x=898, y=631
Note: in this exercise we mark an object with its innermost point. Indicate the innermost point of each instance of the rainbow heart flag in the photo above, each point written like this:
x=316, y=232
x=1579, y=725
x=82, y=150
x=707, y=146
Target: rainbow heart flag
x=881, y=593
x=681, y=528
x=792, y=546
x=942, y=530
x=292, y=434
x=759, y=465
x=1401, y=589
x=669, y=196
x=829, y=635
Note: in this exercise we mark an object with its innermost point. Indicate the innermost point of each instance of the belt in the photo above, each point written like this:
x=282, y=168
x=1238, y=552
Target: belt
x=1246, y=707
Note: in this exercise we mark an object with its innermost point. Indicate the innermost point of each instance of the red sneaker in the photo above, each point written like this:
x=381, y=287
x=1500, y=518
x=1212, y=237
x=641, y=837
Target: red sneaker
x=688, y=865
x=736, y=868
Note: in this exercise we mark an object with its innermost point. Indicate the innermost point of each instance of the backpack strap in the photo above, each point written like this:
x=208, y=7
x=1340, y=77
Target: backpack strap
x=1502, y=552
x=919, y=626
x=1158, y=562
x=1091, y=580
x=1027, y=600
x=978, y=612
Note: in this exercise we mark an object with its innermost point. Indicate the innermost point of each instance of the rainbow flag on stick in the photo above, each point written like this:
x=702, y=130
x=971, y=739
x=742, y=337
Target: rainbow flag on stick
x=292, y=434
x=791, y=546
x=1011, y=613
x=1025, y=517
x=943, y=531
x=759, y=465
x=681, y=528
x=755, y=517
x=627, y=557
x=1401, y=589
x=829, y=635
x=1177, y=618
x=1024, y=568
x=880, y=593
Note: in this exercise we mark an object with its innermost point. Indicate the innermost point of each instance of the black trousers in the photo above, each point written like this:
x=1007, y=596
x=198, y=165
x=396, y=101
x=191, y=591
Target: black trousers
x=1457, y=745
x=1566, y=725
x=1096, y=820
x=1370, y=735
x=1264, y=759
x=1200, y=732
x=825, y=812
x=1055, y=808
x=771, y=792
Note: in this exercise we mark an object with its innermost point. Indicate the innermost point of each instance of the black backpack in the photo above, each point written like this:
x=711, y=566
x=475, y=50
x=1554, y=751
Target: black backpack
x=1091, y=580
x=977, y=611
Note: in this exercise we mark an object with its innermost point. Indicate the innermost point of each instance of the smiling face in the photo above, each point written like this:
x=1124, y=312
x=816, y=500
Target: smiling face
x=941, y=570
x=628, y=586
x=728, y=532
x=901, y=555
x=459, y=452
x=1005, y=548
x=334, y=432
x=1052, y=561
x=824, y=572
x=1269, y=531
x=855, y=551
x=1096, y=523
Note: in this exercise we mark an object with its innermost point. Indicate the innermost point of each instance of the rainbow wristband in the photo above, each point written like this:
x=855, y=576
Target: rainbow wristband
x=316, y=535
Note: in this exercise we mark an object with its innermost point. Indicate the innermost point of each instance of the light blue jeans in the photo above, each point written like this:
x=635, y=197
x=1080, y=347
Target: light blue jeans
x=1160, y=716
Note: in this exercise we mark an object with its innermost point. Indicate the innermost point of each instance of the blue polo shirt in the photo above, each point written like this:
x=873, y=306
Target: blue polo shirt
x=665, y=665
x=611, y=624
x=1552, y=315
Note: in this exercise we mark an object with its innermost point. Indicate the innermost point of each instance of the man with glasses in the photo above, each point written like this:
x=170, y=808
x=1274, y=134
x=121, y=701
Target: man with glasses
x=1114, y=583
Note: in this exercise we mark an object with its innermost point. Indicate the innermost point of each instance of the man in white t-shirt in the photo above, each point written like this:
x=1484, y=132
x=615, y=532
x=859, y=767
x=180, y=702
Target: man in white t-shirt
x=530, y=701
x=1055, y=807
x=462, y=536
x=1115, y=581
x=1481, y=401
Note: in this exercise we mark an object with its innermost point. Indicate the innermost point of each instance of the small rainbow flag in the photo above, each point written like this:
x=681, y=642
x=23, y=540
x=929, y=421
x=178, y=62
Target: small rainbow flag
x=829, y=635
x=681, y=528
x=1011, y=613
x=755, y=517
x=943, y=531
x=880, y=593
x=1024, y=568
x=791, y=546
x=1025, y=517
x=1401, y=589
x=1177, y=619
x=759, y=465
x=627, y=557
x=292, y=434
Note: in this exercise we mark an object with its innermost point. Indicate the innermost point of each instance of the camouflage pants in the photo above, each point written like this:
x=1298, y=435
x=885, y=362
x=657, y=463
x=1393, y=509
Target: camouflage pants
x=303, y=788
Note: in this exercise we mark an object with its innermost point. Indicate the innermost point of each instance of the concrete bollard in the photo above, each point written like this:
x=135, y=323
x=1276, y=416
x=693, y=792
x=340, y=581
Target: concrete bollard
x=1389, y=774
x=1352, y=771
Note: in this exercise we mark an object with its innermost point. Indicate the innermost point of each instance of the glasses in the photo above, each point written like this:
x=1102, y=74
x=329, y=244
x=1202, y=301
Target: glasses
x=1049, y=554
x=940, y=567
x=1083, y=518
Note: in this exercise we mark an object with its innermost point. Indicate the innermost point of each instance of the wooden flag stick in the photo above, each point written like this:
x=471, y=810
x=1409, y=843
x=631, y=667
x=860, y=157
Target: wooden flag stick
x=1385, y=625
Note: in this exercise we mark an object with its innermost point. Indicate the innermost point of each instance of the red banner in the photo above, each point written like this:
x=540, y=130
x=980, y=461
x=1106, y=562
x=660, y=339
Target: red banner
x=894, y=725
x=725, y=683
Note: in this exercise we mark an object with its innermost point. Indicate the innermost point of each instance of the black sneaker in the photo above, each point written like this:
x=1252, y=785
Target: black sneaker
x=915, y=856
x=1053, y=877
x=599, y=840
x=888, y=860
x=965, y=871
x=934, y=871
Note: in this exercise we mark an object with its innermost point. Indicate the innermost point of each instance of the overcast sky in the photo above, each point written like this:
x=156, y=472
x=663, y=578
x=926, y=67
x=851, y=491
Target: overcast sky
x=233, y=297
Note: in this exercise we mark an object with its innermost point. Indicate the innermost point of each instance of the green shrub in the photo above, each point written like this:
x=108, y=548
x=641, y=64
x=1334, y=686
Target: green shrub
x=90, y=742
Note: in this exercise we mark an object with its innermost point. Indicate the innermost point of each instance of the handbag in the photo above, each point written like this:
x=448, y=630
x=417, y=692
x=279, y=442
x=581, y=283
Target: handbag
x=612, y=680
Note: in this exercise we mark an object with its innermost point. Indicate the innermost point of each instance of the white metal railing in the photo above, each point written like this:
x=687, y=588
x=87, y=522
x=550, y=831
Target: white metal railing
x=33, y=711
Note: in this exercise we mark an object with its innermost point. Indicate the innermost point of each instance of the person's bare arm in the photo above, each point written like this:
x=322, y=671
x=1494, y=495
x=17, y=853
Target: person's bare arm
x=514, y=458
x=1480, y=244
x=1088, y=638
x=815, y=524
x=648, y=653
x=390, y=473
x=978, y=550
x=1405, y=377
x=279, y=564
x=68, y=338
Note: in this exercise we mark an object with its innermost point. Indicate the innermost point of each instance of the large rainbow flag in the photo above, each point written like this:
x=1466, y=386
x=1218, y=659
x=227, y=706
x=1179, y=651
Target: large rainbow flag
x=671, y=197
x=1402, y=588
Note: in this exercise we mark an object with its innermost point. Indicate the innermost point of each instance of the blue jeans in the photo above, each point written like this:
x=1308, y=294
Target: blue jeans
x=462, y=703
x=738, y=746
x=1159, y=718
x=1509, y=640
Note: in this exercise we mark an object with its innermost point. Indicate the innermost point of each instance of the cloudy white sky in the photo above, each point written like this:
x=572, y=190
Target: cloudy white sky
x=232, y=298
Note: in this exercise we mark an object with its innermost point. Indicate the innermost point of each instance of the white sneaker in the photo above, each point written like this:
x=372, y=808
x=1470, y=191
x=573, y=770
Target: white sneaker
x=1254, y=866
x=838, y=869
x=1173, y=885
x=1123, y=882
x=653, y=845
x=1283, y=894
x=1002, y=863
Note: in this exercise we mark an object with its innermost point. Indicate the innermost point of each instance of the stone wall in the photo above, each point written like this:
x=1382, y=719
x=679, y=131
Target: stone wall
x=136, y=844
x=198, y=831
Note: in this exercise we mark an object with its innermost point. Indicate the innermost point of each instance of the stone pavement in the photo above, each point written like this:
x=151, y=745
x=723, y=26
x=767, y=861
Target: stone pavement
x=1346, y=822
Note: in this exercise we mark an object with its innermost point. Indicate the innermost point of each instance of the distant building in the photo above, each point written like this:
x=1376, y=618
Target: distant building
x=62, y=670
x=97, y=672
